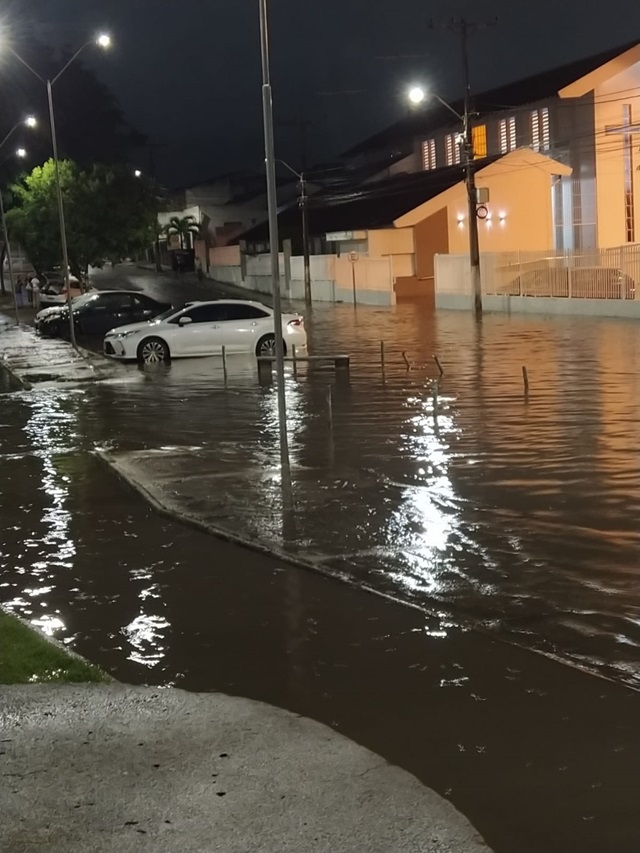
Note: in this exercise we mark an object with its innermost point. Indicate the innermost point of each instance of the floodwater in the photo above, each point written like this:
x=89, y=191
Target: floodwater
x=515, y=514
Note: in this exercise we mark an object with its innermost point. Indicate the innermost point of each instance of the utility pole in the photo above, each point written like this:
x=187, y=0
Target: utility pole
x=306, y=251
x=151, y=150
x=466, y=28
x=303, y=125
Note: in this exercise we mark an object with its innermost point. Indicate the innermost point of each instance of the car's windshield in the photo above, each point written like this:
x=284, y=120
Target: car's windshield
x=165, y=315
x=79, y=301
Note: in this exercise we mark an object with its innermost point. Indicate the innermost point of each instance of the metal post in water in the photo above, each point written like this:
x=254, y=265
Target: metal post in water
x=295, y=362
x=330, y=408
x=382, y=356
x=224, y=365
x=272, y=207
x=525, y=377
x=440, y=367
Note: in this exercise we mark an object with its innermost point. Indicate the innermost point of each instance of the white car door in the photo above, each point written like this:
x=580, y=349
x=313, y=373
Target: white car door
x=244, y=326
x=201, y=336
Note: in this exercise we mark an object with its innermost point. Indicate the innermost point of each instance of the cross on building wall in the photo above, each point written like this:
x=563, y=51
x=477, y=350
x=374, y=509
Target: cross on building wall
x=627, y=129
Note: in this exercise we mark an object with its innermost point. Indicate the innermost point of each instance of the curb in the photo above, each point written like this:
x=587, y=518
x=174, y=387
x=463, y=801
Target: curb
x=251, y=544
x=318, y=568
x=23, y=383
x=109, y=679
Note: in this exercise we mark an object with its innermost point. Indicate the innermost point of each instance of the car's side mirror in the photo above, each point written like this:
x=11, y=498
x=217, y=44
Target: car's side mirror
x=184, y=321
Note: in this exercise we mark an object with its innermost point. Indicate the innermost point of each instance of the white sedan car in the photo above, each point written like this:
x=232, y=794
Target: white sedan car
x=203, y=328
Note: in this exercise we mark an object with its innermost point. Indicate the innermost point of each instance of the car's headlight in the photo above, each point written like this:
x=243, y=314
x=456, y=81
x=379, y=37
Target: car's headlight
x=121, y=334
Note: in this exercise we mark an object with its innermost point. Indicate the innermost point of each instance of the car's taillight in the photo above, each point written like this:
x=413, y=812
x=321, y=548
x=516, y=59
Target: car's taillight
x=298, y=321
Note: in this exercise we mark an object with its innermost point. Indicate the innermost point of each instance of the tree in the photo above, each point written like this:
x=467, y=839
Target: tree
x=185, y=227
x=109, y=213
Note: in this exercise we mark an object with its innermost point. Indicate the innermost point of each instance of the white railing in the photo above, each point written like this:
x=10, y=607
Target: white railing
x=589, y=274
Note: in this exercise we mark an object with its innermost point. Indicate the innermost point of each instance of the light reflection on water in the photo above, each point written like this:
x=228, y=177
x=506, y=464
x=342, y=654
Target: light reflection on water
x=520, y=515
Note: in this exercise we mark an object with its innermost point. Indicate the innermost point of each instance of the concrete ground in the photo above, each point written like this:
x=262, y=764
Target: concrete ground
x=113, y=768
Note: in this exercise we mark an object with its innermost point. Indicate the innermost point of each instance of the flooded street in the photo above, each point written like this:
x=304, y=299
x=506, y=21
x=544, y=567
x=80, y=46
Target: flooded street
x=513, y=515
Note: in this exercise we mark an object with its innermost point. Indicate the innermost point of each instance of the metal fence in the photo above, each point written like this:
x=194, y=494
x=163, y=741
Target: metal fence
x=585, y=274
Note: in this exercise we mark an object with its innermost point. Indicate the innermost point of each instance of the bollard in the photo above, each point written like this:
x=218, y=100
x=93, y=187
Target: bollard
x=436, y=389
x=382, y=355
x=440, y=368
x=525, y=377
x=224, y=365
x=265, y=373
x=295, y=363
x=406, y=360
x=330, y=408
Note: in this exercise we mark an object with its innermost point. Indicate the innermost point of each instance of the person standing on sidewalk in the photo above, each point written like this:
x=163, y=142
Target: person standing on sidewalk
x=35, y=291
x=19, y=286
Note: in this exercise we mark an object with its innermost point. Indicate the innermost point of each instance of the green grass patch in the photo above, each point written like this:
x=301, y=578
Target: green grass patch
x=27, y=658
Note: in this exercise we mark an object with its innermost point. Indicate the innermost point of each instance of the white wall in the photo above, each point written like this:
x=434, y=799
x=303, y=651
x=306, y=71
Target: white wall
x=331, y=277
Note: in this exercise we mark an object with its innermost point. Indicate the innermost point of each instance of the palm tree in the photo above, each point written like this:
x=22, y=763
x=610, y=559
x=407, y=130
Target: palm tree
x=185, y=227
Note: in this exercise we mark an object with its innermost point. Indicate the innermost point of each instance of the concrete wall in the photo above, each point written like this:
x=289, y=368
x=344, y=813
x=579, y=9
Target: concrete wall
x=332, y=278
x=543, y=305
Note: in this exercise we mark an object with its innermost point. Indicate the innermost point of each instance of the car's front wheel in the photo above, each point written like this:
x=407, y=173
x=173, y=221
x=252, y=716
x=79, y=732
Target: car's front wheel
x=267, y=346
x=153, y=351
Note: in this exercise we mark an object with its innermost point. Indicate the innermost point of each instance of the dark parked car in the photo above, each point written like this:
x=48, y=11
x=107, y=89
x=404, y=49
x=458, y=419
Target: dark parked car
x=94, y=314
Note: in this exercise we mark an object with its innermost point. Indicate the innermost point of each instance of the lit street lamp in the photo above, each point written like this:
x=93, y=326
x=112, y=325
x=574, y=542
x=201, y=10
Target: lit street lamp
x=30, y=121
x=417, y=95
x=103, y=41
x=303, y=202
x=272, y=206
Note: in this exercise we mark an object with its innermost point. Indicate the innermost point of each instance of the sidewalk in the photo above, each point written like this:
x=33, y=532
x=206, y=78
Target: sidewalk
x=112, y=769
x=32, y=360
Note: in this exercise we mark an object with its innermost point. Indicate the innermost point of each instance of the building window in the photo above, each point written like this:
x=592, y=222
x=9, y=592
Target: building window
x=429, y=154
x=508, y=136
x=540, y=130
x=452, y=149
x=479, y=139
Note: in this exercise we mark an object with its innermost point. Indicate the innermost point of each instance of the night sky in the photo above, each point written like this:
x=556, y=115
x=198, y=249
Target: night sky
x=188, y=73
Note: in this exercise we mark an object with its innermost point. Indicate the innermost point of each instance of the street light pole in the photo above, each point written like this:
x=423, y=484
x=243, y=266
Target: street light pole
x=417, y=96
x=30, y=121
x=103, y=41
x=272, y=206
x=9, y=259
x=63, y=230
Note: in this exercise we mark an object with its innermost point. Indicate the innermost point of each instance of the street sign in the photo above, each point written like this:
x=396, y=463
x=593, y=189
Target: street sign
x=339, y=236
